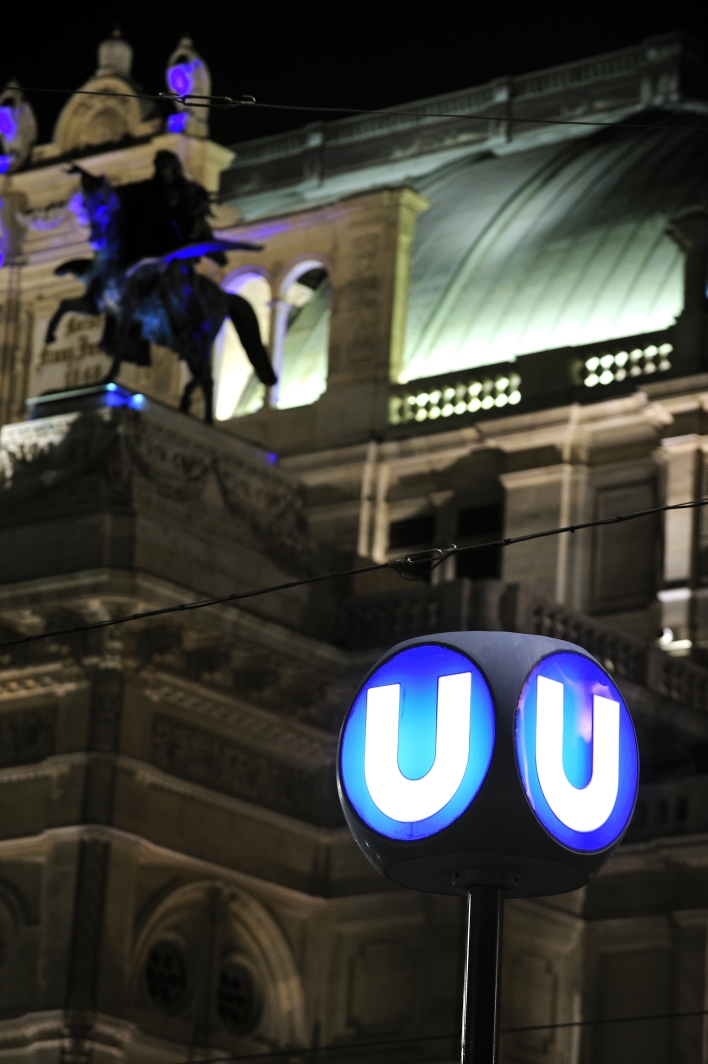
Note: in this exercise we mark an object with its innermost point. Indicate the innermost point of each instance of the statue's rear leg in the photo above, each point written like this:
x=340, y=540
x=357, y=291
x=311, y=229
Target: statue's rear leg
x=186, y=400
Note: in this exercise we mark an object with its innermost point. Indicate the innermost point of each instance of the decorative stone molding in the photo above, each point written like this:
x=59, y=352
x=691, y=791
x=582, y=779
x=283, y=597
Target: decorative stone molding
x=294, y=743
x=175, y=454
x=204, y=757
x=242, y=926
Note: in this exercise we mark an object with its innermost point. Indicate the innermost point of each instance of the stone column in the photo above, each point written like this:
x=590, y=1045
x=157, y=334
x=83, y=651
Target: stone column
x=536, y=500
x=367, y=326
x=680, y=457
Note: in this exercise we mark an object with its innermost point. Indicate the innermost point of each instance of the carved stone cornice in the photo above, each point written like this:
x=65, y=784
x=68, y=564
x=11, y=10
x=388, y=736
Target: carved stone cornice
x=285, y=740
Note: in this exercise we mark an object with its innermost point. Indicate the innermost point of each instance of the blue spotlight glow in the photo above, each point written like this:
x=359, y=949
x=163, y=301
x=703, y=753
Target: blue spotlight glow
x=180, y=77
x=177, y=123
x=8, y=125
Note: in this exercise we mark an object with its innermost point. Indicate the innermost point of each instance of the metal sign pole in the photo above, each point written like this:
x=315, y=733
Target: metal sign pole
x=480, y=1000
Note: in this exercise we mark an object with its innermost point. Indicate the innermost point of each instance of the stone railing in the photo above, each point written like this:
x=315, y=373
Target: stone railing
x=382, y=619
x=620, y=653
x=674, y=807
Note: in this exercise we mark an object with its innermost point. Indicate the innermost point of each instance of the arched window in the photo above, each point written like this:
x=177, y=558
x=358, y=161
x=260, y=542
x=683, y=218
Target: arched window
x=237, y=390
x=301, y=340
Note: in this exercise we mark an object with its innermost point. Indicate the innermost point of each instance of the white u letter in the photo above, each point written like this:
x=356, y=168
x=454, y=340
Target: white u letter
x=579, y=808
x=395, y=795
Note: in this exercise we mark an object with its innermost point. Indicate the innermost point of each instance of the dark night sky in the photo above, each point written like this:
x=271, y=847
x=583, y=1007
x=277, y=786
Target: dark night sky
x=365, y=54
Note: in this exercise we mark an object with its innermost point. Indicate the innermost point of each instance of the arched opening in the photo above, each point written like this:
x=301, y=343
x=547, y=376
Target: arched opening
x=301, y=341
x=237, y=390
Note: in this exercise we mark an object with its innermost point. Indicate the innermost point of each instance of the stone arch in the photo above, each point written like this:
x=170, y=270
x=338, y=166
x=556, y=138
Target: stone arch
x=300, y=347
x=238, y=928
x=238, y=390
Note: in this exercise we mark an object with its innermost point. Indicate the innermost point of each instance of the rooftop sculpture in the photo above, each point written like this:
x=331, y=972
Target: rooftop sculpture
x=148, y=237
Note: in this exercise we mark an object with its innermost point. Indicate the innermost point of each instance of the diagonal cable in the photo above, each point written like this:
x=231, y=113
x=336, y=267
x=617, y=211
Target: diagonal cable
x=412, y=567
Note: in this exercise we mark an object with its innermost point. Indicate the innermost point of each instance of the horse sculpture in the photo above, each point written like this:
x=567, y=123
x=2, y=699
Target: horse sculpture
x=147, y=238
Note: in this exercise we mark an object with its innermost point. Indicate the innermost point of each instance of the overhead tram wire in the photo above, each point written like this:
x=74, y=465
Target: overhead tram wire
x=229, y=103
x=413, y=567
x=354, y=1047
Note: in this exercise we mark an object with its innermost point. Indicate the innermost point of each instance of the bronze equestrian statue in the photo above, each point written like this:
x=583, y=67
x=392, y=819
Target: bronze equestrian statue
x=147, y=237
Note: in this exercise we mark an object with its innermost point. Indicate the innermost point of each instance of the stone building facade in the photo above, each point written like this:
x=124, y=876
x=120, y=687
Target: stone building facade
x=481, y=325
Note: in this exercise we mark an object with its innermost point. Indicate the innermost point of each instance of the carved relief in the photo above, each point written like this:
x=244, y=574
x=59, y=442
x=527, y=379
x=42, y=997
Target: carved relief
x=37, y=456
x=269, y=503
x=50, y=452
x=74, y=359
x=206, y=758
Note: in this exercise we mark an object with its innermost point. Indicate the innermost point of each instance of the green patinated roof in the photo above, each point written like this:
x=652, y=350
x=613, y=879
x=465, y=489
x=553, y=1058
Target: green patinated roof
x=552, y=247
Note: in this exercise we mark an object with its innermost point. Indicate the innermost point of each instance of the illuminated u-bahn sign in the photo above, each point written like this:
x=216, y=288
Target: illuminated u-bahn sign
x=576, y=751
x=418, y=742
x=483, y=754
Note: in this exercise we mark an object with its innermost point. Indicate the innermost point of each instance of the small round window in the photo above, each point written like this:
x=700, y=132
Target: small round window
x=166, y=976
x=237, y=1001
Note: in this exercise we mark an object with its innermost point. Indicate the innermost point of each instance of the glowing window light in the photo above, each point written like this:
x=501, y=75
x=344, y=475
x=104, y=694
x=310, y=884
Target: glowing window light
x=619, y=366
x=456, y=399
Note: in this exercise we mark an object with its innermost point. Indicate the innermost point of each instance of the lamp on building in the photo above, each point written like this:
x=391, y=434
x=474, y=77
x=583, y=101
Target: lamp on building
x=187, y=75
x=18, y=129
